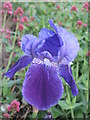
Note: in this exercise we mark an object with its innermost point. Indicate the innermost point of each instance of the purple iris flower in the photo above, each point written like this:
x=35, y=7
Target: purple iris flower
x=50, y=55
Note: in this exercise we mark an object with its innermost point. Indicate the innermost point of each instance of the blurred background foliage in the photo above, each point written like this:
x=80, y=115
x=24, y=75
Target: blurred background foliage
x=61, y=14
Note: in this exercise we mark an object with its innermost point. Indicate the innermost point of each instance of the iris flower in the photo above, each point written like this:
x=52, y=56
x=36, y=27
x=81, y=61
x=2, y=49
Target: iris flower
x=50, y=55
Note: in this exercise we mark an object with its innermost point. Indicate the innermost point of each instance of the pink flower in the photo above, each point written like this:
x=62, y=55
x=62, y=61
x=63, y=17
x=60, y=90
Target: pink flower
x=32, y=18
x=1, y=30
x=24, y=19
x=7, y=6
x=9, y=108
x=88, y=53
x=85, y=25
x=18, y=11
x=7, y=36
x=87, y=10
x=10, y=12
x=15, y=105
x=19, y=43
x=15, y=20
x=74, y=8
x=13, y=56
x=27, y=24
x=60, y=23
x=8, y=31
x=19, y=37
x=21, y=27
x=58, y=7
x=6, y=115
x=79, y=22
x=2, y=11
x=86, y=5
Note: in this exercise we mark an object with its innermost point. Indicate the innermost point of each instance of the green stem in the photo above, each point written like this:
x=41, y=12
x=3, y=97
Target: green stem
x=4, y=20
x=72, y=114
x=77, y=69
x=10, y=57
x=69, y=99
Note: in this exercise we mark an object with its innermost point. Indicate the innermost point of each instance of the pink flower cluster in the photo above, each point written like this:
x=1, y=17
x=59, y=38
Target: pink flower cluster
x=73, y=8
x=14, y=106
x=6, y=115
x=86, y=6
x=80, y=23
x=8, y=7
x=24, y=19
x=18, y=12
x=58, y=7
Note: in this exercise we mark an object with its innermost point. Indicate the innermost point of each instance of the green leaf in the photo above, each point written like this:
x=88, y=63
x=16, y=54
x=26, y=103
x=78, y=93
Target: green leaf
x=76, y=105
x=56, y=112
x=64, y=105
x=41, y=114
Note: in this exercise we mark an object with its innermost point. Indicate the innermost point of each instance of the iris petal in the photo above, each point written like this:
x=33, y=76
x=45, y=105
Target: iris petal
x=42, y=87
x=27, y=42
x=51, y=45
x=71, y=43
x=66, y=73
x=21, y=63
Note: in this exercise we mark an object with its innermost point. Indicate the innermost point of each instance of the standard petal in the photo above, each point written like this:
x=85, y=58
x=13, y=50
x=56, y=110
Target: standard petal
x=42, y=86
x=46, y=33
x=66, y=73
x=71, y=43
x=26, y=43
x=21, y=63
x=51, y=44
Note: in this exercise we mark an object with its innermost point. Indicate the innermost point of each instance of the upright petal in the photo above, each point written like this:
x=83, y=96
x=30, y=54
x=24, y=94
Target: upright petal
x=71, y=43
x=42, y=86
x=21, y=63
x=66, y=73
x=27, y=42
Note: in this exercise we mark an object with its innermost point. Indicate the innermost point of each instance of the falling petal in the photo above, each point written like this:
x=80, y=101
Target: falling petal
x=66, y=73
x=42, y=86
x=21, y=63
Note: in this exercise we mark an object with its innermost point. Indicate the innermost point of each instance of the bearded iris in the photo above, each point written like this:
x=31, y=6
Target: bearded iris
x=50, y=55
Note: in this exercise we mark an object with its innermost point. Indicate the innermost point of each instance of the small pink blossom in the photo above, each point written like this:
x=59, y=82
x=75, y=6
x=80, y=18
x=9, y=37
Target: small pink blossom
x=19, y=43
x=19, y=37
x=85, y=25
x=15, y=105
x=7, y=36
x=74, y=8
x=13, y=56
x=10, y=12
x=60, y=23
x=6, y=115
x=86, y=5
x=7, y=6
x=32, y=18
x=27, y=24
x=2, y=11
x=1, y=30
x=24, y=19
x=21, y=27
x=9, y=108
x=15, y=19
x=18, y=12
x=88, y=53
x=87, y=10
x=79, y=22
x=58, y=7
